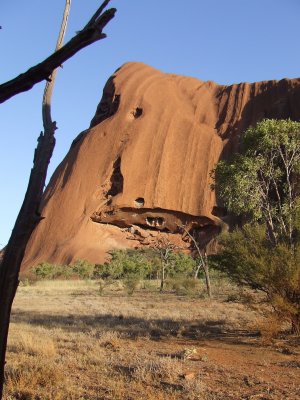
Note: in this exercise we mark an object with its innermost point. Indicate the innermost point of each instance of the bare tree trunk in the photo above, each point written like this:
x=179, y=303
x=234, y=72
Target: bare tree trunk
x=197, y=271
x=162, y=280
x=29, y=215
x=203, y=261
x=49, y=126
x=207, y=277
x=163, y=248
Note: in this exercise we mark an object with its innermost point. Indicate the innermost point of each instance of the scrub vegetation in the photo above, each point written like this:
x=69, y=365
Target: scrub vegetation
x=69, y=340
x=261, y=187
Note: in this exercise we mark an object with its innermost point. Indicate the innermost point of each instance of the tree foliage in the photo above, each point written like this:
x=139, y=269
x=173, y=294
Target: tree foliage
x=124, y=263
x=263, y=181
x=131, y=266
x=262, y=185
x=146, y=263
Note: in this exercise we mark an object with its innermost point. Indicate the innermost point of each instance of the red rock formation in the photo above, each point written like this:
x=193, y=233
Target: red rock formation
x=146, y=160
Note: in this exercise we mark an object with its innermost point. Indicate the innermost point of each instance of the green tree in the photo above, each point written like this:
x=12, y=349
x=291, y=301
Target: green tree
x=263, y=181
x=261, y=185
x=127, y=262
x=181, y=264
x=165, y=250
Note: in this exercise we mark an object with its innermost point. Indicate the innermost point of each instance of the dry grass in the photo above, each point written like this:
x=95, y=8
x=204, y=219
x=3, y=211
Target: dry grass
x=69, y=342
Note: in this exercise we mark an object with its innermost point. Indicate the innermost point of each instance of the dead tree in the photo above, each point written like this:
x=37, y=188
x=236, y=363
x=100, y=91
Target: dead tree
x=30, y=214
x=203, y=261
x=92, y=32
x=164, y=248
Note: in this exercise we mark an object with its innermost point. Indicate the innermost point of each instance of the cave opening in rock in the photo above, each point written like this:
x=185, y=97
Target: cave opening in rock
x=137, y=112
x=155, y=222
x=116, y=179
x=139, y=202
x=109, y=213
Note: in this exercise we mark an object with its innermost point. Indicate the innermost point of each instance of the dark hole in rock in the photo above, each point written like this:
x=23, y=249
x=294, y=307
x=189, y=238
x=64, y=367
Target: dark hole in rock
x=137, y=112
x=139, y=202
x=116, y=179
x=219, y=211
x=110, y=212
x=155, y=221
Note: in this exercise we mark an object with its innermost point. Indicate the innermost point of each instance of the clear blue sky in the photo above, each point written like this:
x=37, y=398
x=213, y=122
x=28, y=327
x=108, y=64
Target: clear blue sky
x=228, y=41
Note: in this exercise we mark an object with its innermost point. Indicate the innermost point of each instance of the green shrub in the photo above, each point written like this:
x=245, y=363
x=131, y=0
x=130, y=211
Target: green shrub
x=181, y=264
x=46, y=270
x=131, y=282
x=249, y=259
x=142, y=262
x=101, y=271
x=83, y=269
x=80, y=270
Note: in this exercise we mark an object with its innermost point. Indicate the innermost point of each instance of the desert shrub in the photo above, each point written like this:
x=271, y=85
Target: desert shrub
x=121, y=262
x=189, y=283
x=131, y=282
x=83, y=269
x=150, y=285
x=35, y=378
x=102, y=284
x=80, y=270
x=101, y=271
x=43, y=270
x=27, y=278
x=249, y=259
x=46, y=270
x=130, y=266
x=141, y=262
x=269, y=327
x=182, y=285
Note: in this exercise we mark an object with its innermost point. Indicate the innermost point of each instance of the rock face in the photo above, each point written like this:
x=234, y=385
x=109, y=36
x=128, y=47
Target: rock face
x=142, y=169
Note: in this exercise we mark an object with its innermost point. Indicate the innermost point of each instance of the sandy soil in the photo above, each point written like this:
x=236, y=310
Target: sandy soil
x=68, y=342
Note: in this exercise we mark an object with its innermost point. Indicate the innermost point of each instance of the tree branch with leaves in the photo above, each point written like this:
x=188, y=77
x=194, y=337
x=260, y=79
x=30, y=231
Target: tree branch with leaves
x=262, y=182
x=262, y=185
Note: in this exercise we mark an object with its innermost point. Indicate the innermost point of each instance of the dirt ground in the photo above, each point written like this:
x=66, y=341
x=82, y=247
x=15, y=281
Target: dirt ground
x=69, y=342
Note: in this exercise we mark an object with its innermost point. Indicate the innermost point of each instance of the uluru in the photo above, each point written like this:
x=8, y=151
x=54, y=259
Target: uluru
x=143, y=167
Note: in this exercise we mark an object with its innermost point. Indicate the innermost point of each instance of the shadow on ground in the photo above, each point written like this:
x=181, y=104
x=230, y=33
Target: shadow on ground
x=134, y=327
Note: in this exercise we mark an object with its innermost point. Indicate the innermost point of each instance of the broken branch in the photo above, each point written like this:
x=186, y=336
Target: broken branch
x=91, y=33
